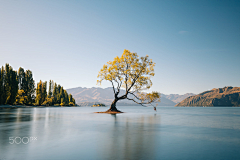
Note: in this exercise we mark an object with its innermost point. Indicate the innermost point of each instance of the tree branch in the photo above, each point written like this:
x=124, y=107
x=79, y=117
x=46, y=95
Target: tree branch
x=126, y=79
x=134, y=95
x=142, y=102
x=138, y=102
x=113, y=88
x=136, y=79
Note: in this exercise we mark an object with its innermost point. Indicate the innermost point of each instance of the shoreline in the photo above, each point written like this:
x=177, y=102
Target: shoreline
x=23, y=106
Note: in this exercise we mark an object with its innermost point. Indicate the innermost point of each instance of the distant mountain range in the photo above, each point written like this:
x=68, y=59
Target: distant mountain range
x=176, y=97
x=227, y=96
x=89, y=96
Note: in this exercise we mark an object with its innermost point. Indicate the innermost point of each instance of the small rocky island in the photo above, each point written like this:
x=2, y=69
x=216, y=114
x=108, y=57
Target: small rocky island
x=99, y=105
x=227, y=96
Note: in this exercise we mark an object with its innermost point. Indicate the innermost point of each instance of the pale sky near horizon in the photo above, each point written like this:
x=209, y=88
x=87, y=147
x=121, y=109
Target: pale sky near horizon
x=195, y=44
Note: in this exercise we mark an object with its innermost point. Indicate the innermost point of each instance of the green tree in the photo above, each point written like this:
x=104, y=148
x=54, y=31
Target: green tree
x=62, y=102
x=2, y=93
x=131, y=73
x=21, y=99
x=41, y=93
x=14, y=85
x=44, y=91
x=27, y=85
x=29, y=88
x=55, y=93
x=59, y=94
x=10, y=85
x=62, y=96
x=50, y=89
x=21, y=78
x=49, y=101
x=66, y=99
x=74, y=102
x=7, y=85
x=71, y=100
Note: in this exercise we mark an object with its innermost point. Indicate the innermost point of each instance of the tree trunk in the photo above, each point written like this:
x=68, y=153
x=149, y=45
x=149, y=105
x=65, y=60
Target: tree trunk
x=113, y=107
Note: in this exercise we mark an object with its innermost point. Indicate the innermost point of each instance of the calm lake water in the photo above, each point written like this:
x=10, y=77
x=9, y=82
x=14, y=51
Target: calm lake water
x=140, y=133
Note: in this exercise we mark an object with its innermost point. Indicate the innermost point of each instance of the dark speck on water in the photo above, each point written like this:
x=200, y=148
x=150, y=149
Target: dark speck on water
x=140, y=133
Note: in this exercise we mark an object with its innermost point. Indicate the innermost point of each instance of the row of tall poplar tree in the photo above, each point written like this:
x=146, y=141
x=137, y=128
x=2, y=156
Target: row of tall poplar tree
x=18, y=88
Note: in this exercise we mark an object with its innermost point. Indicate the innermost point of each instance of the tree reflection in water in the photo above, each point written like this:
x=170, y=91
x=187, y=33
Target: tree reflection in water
x=132, y=137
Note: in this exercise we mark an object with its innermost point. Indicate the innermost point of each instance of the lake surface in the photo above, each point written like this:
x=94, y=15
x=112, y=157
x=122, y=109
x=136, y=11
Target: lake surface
x=179, y=133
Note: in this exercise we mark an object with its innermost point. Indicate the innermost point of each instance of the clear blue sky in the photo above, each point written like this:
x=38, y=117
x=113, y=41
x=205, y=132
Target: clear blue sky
x=195, y=44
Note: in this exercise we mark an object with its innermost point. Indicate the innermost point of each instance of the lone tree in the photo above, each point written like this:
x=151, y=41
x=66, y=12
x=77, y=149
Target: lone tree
x=131, y=73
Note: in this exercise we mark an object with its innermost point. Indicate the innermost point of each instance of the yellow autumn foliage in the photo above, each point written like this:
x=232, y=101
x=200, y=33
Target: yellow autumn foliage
x=132, y=73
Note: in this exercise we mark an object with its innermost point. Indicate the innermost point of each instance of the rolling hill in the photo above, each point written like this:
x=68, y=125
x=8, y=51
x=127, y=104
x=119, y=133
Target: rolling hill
x=227, y=96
